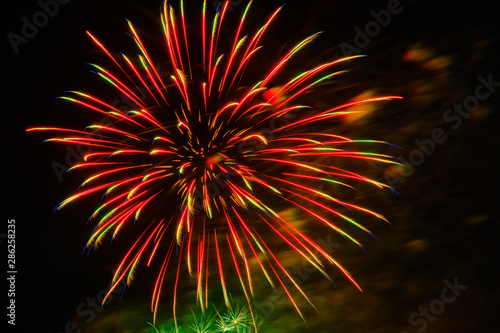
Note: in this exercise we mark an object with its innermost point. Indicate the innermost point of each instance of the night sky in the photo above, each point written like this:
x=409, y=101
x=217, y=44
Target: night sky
x=445, y=220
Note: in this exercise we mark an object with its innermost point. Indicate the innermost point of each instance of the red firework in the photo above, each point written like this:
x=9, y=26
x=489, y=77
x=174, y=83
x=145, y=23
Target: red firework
x=208, y=159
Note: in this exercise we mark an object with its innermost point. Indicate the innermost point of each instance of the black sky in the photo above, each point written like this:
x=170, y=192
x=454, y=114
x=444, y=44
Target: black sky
x=54, y=278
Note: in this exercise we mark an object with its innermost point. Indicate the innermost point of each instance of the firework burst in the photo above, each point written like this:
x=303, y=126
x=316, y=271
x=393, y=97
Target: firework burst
x=203, y=159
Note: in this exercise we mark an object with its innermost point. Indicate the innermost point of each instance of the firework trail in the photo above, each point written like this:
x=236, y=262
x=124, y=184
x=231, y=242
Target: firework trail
x=201, y=162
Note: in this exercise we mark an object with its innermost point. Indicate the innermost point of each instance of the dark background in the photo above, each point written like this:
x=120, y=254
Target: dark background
x=444, y=221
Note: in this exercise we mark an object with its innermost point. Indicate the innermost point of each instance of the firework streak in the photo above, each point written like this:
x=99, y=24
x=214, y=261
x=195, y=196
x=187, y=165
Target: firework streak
x=197, y=167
